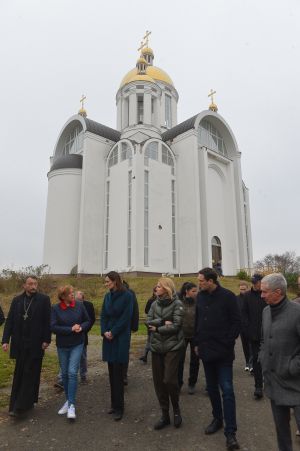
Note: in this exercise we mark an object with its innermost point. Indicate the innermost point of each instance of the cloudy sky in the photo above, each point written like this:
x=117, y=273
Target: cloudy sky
x=52, y=51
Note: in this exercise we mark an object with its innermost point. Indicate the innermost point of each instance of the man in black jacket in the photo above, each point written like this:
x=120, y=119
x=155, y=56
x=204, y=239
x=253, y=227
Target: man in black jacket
x=253, y=307
x=27, y=328
x=89, y=306
x=218, y=324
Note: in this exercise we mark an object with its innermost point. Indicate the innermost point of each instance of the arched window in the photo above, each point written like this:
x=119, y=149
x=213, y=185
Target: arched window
x=73, y=142
x=113, y=158
x=210, y=137
x=151, y=151
x=126, y=151
x=167, y=158
x=216, y=253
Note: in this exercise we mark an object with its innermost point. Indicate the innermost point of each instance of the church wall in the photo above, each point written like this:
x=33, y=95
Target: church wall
x=221, y=217
x=188, y=205
x=90, y=255
x=62, y=220
x=118, y=217
x=160, y=214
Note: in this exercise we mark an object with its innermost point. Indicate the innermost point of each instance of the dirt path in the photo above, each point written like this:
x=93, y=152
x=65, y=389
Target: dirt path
x=94, y=429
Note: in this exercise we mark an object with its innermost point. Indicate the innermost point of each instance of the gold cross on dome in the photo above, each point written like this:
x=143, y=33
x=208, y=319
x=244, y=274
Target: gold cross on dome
x=146, y=37
x=83, y=97
x=211, y=94
x=141, y=46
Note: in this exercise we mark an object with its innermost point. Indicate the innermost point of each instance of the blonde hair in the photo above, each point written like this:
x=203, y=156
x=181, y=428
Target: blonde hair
x=168, y=285
x=64, y=291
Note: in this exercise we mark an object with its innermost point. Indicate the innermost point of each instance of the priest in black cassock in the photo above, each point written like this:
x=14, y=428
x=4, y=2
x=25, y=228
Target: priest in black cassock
x=27, y=328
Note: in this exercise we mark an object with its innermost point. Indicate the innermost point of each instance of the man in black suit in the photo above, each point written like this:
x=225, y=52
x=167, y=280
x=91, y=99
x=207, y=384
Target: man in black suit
x=27, y=328
x=79, y=296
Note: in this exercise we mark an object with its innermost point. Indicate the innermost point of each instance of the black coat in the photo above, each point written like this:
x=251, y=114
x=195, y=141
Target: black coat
x=218, y=324
x=2, y=318
x=253, y=307
x=89, y=306
x=40, y=325
x=135, y=312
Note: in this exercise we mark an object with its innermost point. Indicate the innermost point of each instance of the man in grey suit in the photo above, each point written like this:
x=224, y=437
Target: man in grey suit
x=280, y=355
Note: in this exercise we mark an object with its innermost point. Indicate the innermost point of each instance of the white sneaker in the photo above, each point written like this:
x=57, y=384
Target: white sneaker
x=63, y=409
x=71, y=412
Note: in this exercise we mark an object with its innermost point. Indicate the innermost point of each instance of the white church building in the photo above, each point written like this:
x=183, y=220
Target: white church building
x=152, y=195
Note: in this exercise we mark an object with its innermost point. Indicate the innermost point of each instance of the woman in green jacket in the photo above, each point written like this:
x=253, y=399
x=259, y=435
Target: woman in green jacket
x=167, y=343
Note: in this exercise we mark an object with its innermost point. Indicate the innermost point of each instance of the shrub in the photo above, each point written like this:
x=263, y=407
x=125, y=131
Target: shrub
x=243, y=275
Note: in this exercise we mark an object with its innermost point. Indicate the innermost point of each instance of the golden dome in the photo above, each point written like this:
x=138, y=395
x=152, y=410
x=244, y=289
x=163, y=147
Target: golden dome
x=147, y=51
x=82, y=112
x=139, y=77
x=213, y=107
x=141, y=60
x=153, y=74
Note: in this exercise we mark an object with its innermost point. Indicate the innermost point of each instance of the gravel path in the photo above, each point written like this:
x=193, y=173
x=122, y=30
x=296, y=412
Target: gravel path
x=95, y=430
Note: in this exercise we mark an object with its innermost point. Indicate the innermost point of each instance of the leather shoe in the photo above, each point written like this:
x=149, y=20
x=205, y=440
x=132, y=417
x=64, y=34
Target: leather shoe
x=177, y=418
x=214, y=426
x=231, y=442
x=191, y=389
x=164, y=421
x=258, y=393
x=117, y=415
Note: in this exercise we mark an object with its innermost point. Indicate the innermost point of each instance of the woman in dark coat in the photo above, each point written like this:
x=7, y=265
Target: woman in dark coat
x=165, y=322
x=116, y=317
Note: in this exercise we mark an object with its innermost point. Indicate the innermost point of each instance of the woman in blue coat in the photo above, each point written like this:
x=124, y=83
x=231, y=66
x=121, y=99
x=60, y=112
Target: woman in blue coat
x=115, y=329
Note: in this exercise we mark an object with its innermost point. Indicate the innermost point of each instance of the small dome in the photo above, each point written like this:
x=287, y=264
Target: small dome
x=152, y=74
x=141, y=60
x=147, y=51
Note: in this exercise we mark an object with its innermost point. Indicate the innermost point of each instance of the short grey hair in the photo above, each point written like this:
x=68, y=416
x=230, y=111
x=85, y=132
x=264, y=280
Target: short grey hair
x=276, y=281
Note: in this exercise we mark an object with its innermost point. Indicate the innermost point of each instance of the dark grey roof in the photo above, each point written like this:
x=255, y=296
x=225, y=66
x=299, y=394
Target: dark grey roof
x=102, y=130
x=67, y=162
x=179, y=129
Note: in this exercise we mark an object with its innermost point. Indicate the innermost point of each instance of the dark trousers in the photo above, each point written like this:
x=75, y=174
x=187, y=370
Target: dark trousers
x=194, y=364
x=219, y=374
x=281, y=415
x=246, y=349
x=257, y=371
x=116, y=386
x=165, y=378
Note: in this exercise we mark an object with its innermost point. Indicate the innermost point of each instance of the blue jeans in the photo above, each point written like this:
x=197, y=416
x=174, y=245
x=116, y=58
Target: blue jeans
x=217, y=375
x=69, y=360
x=83, y=366
x=83, y=363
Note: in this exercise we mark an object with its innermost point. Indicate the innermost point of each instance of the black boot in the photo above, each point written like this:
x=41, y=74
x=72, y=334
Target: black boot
x=144, y=357
x=231, y=442
x=177, y=418
x=164, y=421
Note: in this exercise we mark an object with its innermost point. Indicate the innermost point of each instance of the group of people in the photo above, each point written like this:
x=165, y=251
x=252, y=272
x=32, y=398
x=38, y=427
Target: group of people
x=209, y=320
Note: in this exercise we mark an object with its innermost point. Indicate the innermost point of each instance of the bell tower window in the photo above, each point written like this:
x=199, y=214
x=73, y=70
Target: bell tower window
x=140, y=108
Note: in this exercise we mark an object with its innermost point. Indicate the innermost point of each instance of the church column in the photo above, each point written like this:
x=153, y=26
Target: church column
x=162, y=111
x=119, y=112
x=132, y=108
x=174, y=111
x=147, y=107
x=125, y=111
x=203, y=181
